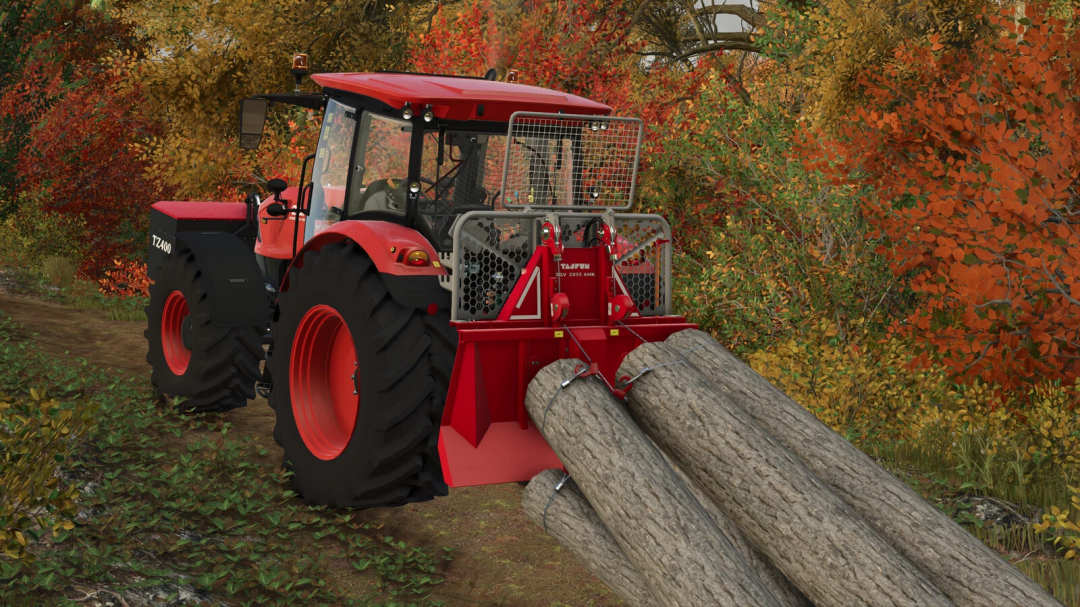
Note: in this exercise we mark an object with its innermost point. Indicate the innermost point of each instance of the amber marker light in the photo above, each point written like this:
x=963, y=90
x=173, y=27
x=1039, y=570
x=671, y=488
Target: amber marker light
x=417, y=258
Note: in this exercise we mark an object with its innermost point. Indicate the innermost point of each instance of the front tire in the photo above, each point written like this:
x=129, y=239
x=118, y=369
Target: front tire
x=212, y=368
x=359, y=385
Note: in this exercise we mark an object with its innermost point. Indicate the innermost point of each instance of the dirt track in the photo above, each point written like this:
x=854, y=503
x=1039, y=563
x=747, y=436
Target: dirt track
x=500, y=557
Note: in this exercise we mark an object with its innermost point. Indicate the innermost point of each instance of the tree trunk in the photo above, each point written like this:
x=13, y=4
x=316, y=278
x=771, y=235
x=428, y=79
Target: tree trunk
x=960, y=565
x=808, y=532
x=682, y=555
x=571, y=520
x=771, y=577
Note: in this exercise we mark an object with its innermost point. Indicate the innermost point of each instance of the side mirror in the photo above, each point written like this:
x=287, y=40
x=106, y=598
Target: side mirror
x=277, y=186
x=252, y=121
x=276, y=209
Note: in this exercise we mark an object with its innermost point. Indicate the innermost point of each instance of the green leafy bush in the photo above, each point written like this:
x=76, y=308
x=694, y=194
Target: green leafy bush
x=38, y=435
x=762, y=244
x=31, y=234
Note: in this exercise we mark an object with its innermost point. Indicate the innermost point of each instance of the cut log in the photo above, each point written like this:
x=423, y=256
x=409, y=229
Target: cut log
x=960, y=565
x=571, y=520
x=809, y=533
x=772, y=578
x=681, y=554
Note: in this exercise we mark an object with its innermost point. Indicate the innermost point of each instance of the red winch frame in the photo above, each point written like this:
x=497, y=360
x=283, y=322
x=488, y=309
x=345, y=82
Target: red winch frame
x=567, y=303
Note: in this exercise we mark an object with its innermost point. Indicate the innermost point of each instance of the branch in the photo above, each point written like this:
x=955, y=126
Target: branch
x=637, y=14
x=731, y=42
x=722, y=37
x=993, y=302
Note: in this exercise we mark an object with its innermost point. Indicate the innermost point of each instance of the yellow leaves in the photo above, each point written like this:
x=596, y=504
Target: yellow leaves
x=34, y=443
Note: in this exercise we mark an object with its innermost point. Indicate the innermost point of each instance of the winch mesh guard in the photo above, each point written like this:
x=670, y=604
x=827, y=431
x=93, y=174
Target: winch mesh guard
x=491, y=248
x=559, y=160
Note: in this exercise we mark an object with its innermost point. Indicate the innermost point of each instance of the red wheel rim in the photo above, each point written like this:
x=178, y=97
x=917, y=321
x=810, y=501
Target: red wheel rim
x=323, y=390
x=177, y=356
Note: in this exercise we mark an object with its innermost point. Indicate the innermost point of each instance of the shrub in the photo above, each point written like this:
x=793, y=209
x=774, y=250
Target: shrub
x=38, y=435
x=1024, y=447
x=762, y=244
x=32, y=234
x=1066, y=532
x=126, y=279
x=973, y=154
x=585, y=48
x=78, y=126
x=58, y=271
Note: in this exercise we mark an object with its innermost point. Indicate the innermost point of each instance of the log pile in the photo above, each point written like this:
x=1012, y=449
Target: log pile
x=709, y=486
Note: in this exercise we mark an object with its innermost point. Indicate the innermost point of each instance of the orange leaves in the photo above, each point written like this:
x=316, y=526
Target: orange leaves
x=125, y=279
x=986, y=164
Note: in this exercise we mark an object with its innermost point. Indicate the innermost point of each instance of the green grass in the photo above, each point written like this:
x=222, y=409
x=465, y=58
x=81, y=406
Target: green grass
x=176, y=503
x=127, y=308
x=1031, y=489
x=72, y=292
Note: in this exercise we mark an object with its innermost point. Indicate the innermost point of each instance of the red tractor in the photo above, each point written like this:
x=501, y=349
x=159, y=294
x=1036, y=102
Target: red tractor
x=449, y=237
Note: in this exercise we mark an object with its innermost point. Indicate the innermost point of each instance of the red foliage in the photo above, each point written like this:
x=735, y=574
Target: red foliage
x=79, y=156
x=577, y=47
x=975, y=157
x=126, y=279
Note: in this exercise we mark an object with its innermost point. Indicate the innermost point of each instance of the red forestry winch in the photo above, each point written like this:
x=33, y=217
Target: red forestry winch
x=447, y=239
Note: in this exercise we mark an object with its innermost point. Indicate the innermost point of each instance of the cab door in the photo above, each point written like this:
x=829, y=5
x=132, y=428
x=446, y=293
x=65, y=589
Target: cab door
x=330, y=171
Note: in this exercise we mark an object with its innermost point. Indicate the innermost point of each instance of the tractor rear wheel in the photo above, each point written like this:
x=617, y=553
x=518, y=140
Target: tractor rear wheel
x=359, y=385
x=212, y=368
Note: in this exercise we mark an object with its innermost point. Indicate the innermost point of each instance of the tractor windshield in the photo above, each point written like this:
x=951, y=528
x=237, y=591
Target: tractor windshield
x=461, y=172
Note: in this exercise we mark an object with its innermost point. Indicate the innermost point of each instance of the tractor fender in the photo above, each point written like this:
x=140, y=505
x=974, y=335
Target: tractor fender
x=235, y=285
x=385, y=243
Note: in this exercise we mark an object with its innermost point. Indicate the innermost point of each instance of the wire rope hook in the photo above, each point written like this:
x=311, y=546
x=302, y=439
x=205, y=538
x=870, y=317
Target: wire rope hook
x=625, y=383
x=580, y=370
x=558, y=485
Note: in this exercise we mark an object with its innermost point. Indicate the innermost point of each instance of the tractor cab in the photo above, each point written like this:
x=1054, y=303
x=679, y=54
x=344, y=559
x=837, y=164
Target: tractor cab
x=422, y=150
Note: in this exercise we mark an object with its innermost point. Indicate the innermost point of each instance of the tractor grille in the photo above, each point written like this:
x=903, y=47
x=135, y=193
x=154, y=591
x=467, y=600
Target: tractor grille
x=491, y=248
x=561, y=160
x=491, y=253
x=644, y=263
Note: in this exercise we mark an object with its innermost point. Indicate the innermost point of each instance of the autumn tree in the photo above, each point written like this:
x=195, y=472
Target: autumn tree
x=33, y=34
x=72, y=146
x=584, y=48
x=204, y=56
x=974, y=157
x=825, y=44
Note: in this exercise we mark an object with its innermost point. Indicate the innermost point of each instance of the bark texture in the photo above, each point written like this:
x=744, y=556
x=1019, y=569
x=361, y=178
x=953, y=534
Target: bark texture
x=682, y=555
x=817, y=540
x=960, y=565
x=771, y=577
x=571, y=520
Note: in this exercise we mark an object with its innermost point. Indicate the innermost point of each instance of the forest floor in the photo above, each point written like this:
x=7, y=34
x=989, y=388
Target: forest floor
x=499, y=556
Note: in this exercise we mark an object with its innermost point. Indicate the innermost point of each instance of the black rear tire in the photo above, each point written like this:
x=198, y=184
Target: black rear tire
x=224, y=362
x=404, y=356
